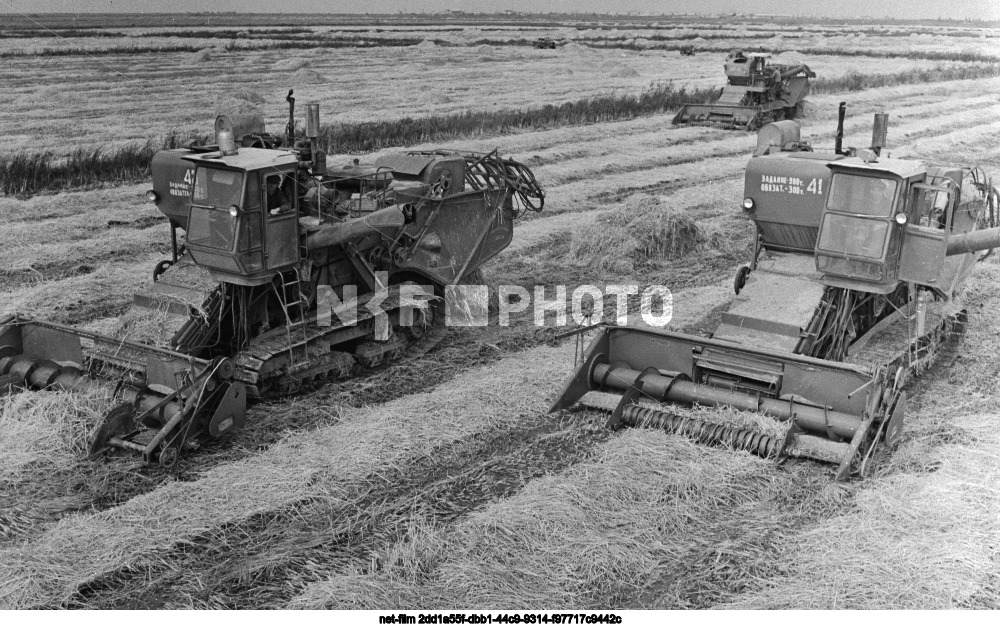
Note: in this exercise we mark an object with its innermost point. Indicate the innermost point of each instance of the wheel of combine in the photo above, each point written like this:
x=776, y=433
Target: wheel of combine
x=741, y=278
x=118, y=422
x=168, y=457
x=424, y=319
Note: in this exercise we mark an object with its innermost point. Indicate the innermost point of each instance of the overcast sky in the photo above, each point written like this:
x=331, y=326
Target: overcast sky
x=977, y=9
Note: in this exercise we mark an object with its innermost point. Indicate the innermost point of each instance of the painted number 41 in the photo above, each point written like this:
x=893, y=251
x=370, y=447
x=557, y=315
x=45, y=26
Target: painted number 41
x=815, y=186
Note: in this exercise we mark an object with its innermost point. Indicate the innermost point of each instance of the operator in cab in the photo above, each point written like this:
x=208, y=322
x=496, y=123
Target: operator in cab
x=277, y=202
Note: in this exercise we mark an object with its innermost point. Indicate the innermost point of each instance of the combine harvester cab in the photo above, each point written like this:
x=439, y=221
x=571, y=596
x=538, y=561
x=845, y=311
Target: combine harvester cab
x=290, y=273
x=756, y=93
x=851, y=292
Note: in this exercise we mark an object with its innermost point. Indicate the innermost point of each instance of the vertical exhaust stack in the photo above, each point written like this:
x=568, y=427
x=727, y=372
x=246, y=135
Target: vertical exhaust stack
x=312, y=132
x=290, y=129
x=312, y=121
x=839, y=142
x=880, y=130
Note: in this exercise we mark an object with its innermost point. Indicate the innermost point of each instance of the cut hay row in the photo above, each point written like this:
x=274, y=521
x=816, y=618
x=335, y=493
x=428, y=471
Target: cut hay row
x=304, y=466
x=81, y=210
x=33, y=262
x=595, y=536
x=105, y=291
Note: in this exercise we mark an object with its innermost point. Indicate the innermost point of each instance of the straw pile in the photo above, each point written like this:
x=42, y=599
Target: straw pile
x=201, y=56
x=46, y=431
x=306, y=75
x=148, y=327
x=293, y=63
x=641, y=229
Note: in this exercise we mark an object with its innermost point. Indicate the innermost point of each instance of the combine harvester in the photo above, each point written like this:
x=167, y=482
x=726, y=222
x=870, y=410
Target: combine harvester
x=273, y=240
x=757, y=93
x=850, y=294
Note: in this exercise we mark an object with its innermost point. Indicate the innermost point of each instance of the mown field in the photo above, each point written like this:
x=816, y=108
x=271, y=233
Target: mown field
x=442, y=483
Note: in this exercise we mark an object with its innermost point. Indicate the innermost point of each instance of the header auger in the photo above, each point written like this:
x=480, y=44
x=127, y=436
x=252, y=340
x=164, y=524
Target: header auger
x=853, y=251
x=757, y=92
x=290, y=273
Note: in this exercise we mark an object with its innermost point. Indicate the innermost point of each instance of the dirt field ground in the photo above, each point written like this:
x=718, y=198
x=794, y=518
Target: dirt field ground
x=442, y=483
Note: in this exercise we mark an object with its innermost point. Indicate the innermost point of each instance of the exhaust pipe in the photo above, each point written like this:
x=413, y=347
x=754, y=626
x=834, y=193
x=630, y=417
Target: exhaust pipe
x=318, y=157
x=880, y=130
x=290, y=129
x=312, y=121
x=839, y=142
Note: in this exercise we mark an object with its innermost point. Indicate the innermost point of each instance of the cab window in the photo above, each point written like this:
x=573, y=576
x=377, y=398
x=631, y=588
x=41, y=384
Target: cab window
x=866, y=196
x=929, y=206
x=217, y=188
x=277, y=200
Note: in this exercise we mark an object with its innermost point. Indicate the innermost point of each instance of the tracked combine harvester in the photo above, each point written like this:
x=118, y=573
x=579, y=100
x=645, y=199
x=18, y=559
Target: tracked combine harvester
x=291, y=273
x=757, y=92
x=851, y=293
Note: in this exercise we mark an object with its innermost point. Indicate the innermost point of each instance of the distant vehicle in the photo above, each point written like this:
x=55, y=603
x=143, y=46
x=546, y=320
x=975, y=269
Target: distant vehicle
x=545, y=42
x=687, y=51
x=758, y=92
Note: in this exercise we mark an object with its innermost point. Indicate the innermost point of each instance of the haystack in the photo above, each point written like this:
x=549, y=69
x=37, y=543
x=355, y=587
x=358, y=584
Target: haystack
x=485, y=52
x=641, y=229
x=232, y=105
x=248, y=95
x=199, y=57
x=622, y=70
x=305, y=76
x=790, y=57
x=293, y=63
